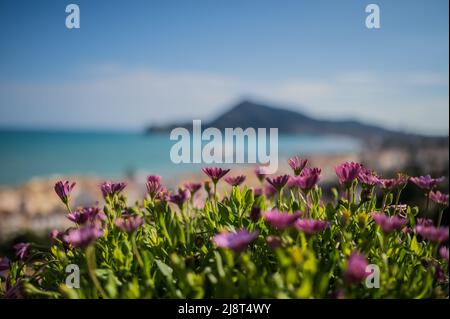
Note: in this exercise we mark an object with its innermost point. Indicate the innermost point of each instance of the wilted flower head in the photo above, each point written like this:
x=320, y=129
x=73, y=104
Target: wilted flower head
x=22, y=250
x=63, y=190
x=348, y=172
x=180, y=197
x=84, y=215
x=297, y=164
x=311, y=226
x=273, y=241
x=235, y=180
x=110, y=189
x=255, y=213
x=207, y=187
x=83, y=237
x=153, y=185
x=388, y=224
x=5, y=263
x=278, y=182
x=368, y=178
x=355, y=271
x=237, y=241
x=260, y=173
x=129, y=224
x=427, y=183
x=308, y=179
x=431, y=233
x=443, y=252
x=193, y=187
x=439, y=198
x=215, y=173
x=281, y=220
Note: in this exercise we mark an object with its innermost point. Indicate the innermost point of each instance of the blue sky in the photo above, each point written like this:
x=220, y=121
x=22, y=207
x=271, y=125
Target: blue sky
x=134, y=63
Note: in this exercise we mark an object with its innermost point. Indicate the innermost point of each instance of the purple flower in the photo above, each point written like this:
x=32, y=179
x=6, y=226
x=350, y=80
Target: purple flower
x=348, y=172
x=433, y=234
x=278, y=182
x=180, y=197
x=84, y=215
x=311, y=226
x=427, y=183
x=281, y=220
x=389, y=224
x=55, y=235
x=355, y=271
x=237, y=241
x=215, y=173
x=443, y=252
x=163, y=195
x=193, y=187
x=297, y=164
x=269, y=191
x=368, y=178
x=110, y=189
x=129, y=224
x=153, y=185
x=258, y=191
x=83, y=237
x=5, y=263
x=439, y=198
x=63, y=190
x=424, y=222
x=22, y=250
x=260, y=173
x=235, y=180
x=273, y=241
x=308, y=179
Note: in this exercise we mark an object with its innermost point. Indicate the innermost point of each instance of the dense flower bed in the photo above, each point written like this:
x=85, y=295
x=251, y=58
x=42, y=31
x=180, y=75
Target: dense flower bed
x=281, y=240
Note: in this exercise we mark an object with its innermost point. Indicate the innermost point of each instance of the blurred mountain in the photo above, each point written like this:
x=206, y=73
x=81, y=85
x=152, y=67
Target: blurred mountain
x=248, y=114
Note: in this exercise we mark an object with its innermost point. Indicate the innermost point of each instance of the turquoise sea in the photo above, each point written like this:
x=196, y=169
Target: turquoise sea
x=28, y=154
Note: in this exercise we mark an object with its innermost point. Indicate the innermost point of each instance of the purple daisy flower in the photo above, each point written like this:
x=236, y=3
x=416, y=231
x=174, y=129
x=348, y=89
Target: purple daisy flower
x=297, y=164
x=193, y=187
x=234, y=180
x=110, y=189
x=278, y=182
x=215, y=173
x=281, y=220
x=129, y=224
x=84, y=215
x=22, y=250
x=433, y=234
x=348, y=172
x=308, y=179
x=355, y=272
x=63, y=190
x=83, y=237
x=311, y=226
x=389, y=224
x=237, y=241
x=439, y=198
x=260, y=173
x=427, y=183
x=180, y=197
x=368, y=178
x=153, y=185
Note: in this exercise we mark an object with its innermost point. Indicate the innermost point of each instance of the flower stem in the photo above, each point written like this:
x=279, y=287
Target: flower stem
x=91, y=263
